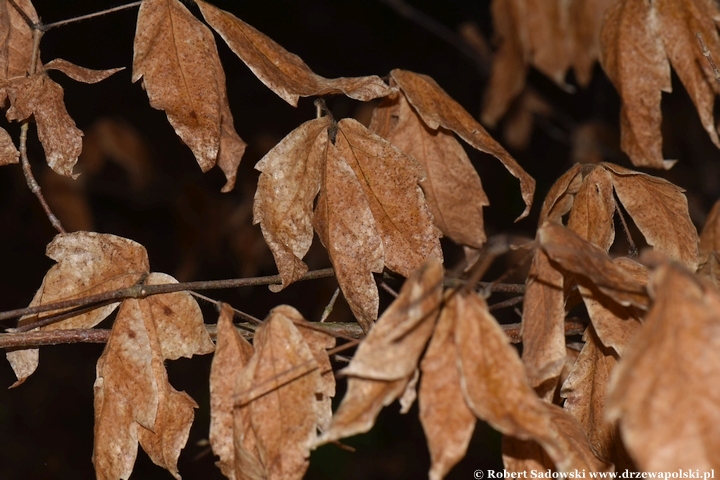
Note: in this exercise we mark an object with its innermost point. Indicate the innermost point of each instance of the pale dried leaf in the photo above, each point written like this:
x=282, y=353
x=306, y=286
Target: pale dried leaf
x=176, y=56
x=78, y=73
x=88, y=263
x=247, y=463
x=547, y=29
x=585, y=21
x=593, y=209
x=437, y=109
x=319, y=343
x=660, y=210
x=584, y=258
x=614, y=324
x=126, y=394
x=232, y=147
x=584, y=392
x=8, y=152
x=634, y=59
x=346, y=227
x=393, y=347
x=496, y=389
x=289, y=182
x=410, y=394
x=446, y=419
x=452, y=187
x=660, y=391
x=510, y=64
x=281, y=401
x=281, y=71
x=232, y=353
x=39, y=96
x=179, y=321
x=16, y=44
x=543, y=324
x=390, y=183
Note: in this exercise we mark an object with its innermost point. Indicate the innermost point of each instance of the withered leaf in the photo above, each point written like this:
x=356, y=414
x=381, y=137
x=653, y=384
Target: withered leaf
x=593, y=209
x=319, y=343
x=438, y=109
x=133, y=400
x=543, y=319
x=663, y=426
x=345, y=225
x=660, y=210
x=390, y=180
x=78, y=73
x=452, y=187
x=710, y=235
x=559, y=200
x=281, y=398
x=8, y=152
x=387, y=359
x=39, y=96
x=289, y=182
x=281, y=71
x=496, y=389
x=584, y=23
x=176, y=56
x=584, y=258
x=232, y=353
x=548, y=36
x=446, y=419
x=584, y=391
x=88, y=263
x=16, y=40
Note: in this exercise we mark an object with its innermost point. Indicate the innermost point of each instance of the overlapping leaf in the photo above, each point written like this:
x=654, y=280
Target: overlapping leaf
x=665, y=428
x=133, y=400
x=16, y=41
x=386, y=361
x=452, y=187
x=709, y=248
x=88, y=263
x=640, y=40
x=370, y=211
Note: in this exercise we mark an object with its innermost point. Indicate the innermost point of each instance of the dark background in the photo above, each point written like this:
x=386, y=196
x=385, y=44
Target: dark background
x=194, y=232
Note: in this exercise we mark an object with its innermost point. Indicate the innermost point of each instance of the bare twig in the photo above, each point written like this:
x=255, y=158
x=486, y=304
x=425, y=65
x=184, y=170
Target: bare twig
x=90, y=15
x=351, y=331
x=507, y=303
x=631, y=244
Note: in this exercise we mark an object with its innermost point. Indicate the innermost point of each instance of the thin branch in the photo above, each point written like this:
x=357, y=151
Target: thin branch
x=142, y=291
x=507, y=303
x=351, y=331
x=708, y=55
x=90, y=15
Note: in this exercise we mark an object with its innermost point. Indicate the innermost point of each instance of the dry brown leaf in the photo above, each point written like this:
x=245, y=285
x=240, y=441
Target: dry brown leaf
x=8, y=152
x=281, y=398
x=39, y=96
x=390, y=180
x=634, y=59
x=660, y=210
x=437, y=109
x=88, y=263
x=587, y=259
x=660, y=390
x=584, y=391
x=16, y=44
x=232, y=353
x=452, y=187
x=232, y=147
x=289, y=182
x=345, y=225
x=543, y=324
x=446, y=419
x=319, y=343
x=549, y=40
x=78, y=73
x=585, y=21
x=524, y=455
x=133, y=400
x=510, y=64
x=387, y=359
x=615, y=324
x=591, y=216
x=176, y=56
x=496, y=389
x=281, y=71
